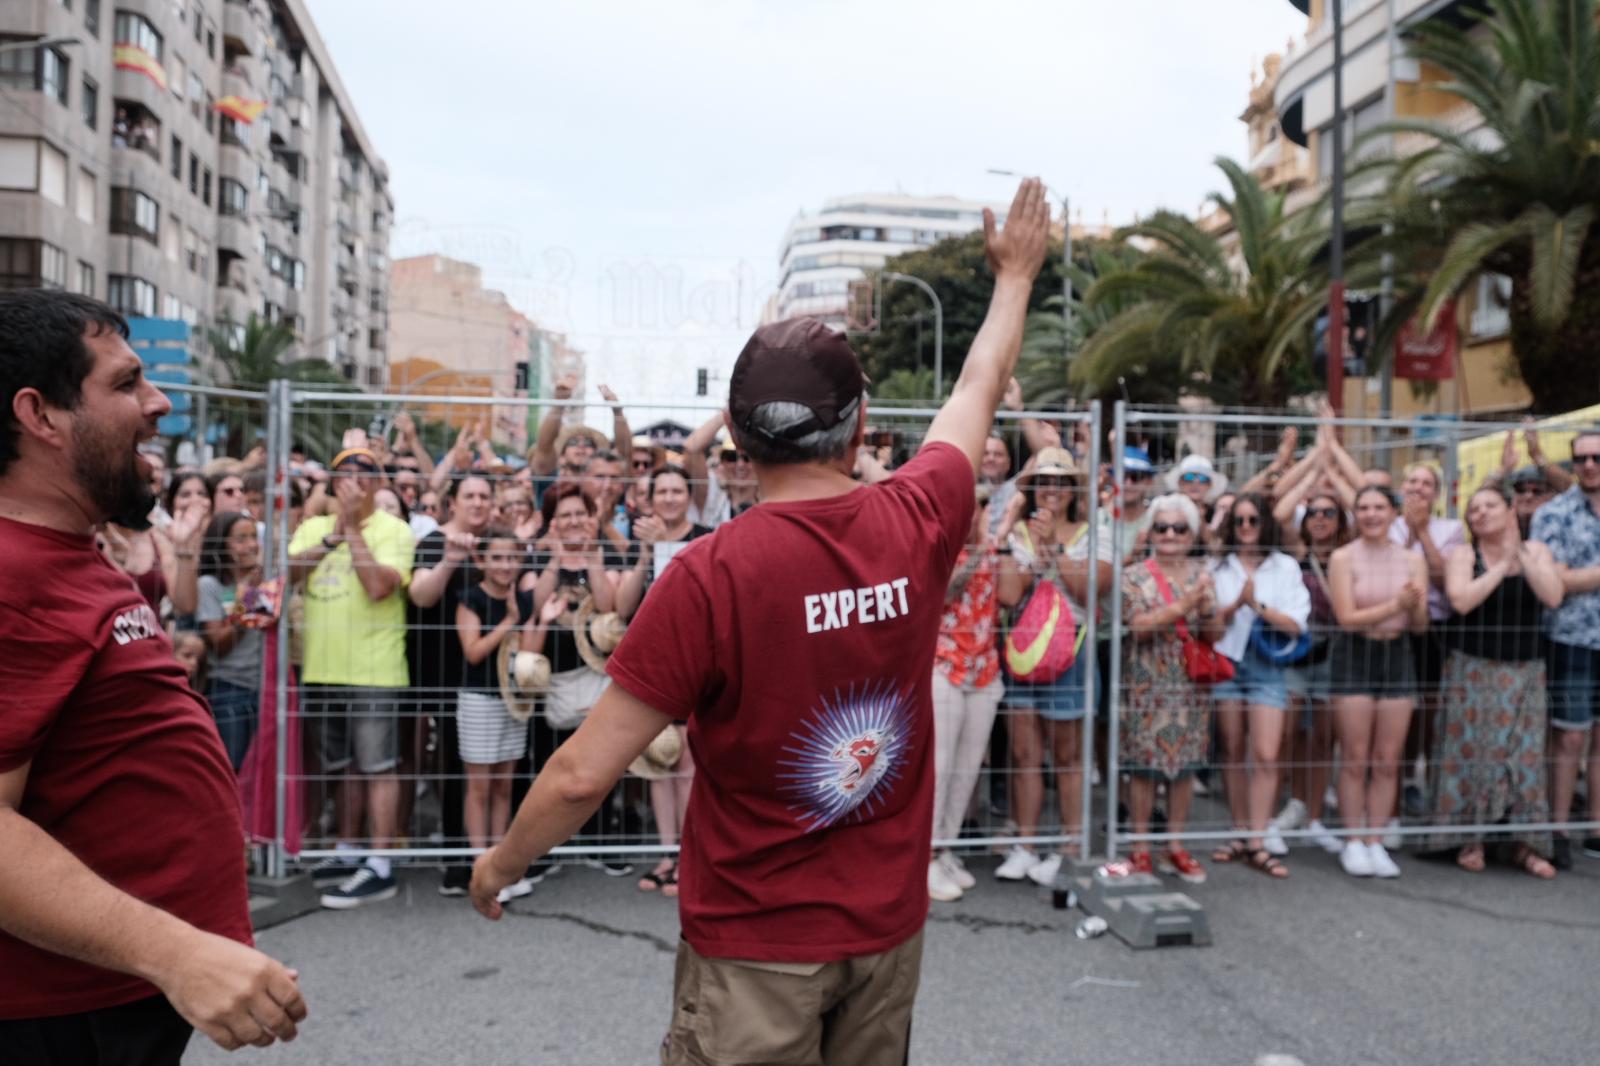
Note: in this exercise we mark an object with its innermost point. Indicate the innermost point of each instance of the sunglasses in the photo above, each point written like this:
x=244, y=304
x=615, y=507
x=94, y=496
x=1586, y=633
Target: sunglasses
x=1168, y=527
x=1529, y=490
x=230, y=492
x=1192, y=478
x=426, y=508
x=1585, y=460
x=1136, y=475
x=1249, y=521
x=641, y=464
x=1053, y=483
x=730, y=456
x=1322, y=512
x=352, y=467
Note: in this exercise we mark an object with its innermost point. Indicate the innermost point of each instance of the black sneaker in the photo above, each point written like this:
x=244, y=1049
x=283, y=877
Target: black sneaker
x=1591, y=847
x=610, y=867
x=333, y=871
x=363, y=886
x=456, y=881
x=1561, y=853
x=1415, y=803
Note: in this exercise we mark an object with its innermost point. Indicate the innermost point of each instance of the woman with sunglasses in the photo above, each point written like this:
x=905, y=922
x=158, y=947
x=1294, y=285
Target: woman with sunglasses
x=1267, y=605
x=1164, y=722
x=1308, y=748
x=1380, y=597
x=730, y=489
x=1487, y=765
x=1049, y=545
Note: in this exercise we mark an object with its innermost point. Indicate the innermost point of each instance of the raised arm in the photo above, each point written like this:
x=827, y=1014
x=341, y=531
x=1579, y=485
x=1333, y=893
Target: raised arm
x=543, y=459
x=1015, y=254
x=694, y=457
x=621, y=435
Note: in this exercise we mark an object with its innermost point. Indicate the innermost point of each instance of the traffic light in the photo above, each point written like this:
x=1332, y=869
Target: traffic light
x=702, y=378
x=522, y=377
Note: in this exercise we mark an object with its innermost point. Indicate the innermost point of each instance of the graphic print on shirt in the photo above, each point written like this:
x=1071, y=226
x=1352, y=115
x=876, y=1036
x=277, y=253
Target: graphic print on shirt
x=846, y=751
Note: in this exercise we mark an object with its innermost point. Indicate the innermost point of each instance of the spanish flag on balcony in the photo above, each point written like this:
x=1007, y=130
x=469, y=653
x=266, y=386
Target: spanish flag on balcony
x=132, y=57
x=239, y=109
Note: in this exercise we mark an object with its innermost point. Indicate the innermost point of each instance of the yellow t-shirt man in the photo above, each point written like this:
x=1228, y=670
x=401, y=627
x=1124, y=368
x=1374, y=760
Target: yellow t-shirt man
x=349, y=639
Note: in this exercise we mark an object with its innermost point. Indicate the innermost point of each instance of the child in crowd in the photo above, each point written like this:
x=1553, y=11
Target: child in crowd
x=190, y=649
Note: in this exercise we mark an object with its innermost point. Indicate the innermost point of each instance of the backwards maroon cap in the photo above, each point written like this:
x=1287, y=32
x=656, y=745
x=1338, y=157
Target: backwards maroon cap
x=798, y=360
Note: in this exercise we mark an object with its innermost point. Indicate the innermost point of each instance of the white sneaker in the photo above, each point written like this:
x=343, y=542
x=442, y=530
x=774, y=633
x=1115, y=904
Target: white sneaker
x=1330, y=799
x=515, y=890
x=1273, y=841
x=957, y=870
x=1044, y=872
x=1391, y=838
x=1355, y=860
x=1382, y=865
x=940, y=887
x=1019, y=860
x=1292, y=816
x=1324, y=839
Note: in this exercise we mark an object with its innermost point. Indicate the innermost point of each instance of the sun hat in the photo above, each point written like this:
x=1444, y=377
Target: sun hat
x=523, y=675
x=1050, y=462
x=597, y=634
x=1198, y=464
x=656, y=762
x=1136, y=460
x=363, y=457
x=798, y=360
x=569, y=433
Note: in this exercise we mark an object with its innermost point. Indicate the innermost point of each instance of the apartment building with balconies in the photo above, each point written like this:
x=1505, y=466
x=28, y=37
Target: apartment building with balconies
x=193, y=159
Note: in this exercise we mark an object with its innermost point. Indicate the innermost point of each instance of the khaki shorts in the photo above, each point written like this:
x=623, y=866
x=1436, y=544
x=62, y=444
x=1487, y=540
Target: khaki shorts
x=727, y=1011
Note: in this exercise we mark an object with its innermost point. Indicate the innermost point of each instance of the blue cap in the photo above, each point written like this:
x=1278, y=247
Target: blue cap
x=1136, y=459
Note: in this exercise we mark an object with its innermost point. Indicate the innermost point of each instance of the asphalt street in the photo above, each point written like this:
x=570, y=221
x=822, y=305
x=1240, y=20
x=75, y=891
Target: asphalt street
x=1440, y=966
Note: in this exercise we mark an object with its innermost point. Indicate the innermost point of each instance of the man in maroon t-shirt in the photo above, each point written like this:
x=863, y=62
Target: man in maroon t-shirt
x=798, y=643
x=124, y=919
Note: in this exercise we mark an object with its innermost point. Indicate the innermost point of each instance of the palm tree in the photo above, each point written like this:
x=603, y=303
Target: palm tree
x=1232, y=324
x=1518, y=197
x=253, y=354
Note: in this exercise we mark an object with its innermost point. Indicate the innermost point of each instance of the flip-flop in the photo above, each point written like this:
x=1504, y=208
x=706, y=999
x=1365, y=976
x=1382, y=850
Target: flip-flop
x=659, y=879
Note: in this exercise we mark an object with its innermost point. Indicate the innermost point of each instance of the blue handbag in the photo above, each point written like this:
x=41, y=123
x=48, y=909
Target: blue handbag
x=1278, y=647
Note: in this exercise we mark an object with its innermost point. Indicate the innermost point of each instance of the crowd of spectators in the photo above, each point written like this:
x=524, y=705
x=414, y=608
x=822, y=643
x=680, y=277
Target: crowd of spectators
x=451, y=618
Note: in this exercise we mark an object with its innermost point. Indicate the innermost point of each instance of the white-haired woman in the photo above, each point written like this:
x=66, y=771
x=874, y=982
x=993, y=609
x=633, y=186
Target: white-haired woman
x=1165, y=718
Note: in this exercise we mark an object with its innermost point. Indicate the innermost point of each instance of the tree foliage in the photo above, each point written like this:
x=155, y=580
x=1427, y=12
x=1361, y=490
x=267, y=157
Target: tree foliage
x=254, y=353
x=1518, y=197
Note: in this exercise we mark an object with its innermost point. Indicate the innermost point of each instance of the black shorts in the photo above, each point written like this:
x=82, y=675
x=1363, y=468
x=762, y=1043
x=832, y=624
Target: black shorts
x=147, y=1032
x=1382, y=669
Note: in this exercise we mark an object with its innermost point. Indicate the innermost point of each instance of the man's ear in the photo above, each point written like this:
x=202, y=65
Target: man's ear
x=37, y=416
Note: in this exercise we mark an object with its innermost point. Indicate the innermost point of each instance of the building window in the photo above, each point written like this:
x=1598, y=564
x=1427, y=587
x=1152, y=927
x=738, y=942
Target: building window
x=171, y=306
x=194, y=174
x=131, y=295
x=194, y=250
x=91, y=17
x=211, y=42
x=91, y=103
x=52, y=266
x=19, y=163
x=42, y=70
x=136, y=215
x=232, y=198
x=177, y=157
x=197, y=93
x=135, y=126
x=52, y=175
x=211, y=113
x=31, y=264
x=85, y=278
x=205, y=187
x=88, y=194
x=172, y=238
x=136, y=30
x=235, y=133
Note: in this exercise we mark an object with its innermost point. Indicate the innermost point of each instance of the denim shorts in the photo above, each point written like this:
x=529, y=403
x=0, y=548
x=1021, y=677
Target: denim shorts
x=356, y=725
x=1256, y=680
x=1574, y=684
x=1059, y=701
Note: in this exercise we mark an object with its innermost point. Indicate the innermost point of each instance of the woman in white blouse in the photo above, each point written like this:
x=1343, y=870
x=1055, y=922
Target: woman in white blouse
x=1265, y=609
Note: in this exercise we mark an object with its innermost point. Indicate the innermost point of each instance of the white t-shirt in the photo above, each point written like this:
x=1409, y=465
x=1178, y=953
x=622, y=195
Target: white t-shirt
x=1278, y=585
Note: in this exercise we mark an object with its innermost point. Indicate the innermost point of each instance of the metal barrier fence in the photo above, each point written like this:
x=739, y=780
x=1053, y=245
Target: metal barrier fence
x=1435, y=735
x=1149, y=729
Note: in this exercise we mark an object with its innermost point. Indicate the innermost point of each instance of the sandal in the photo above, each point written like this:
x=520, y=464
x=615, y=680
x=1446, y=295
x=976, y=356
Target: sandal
x=669, y=883
x=660, y=878
x=1533, y=863
x=1236, y=851
x=1263, y=860
x=1470, y=858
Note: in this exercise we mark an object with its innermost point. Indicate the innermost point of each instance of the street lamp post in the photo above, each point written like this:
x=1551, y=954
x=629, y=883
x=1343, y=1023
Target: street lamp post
x=1066, y=261
x=938, y=327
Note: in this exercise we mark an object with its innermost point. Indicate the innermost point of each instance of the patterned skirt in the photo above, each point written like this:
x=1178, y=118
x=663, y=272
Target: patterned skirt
x=1164, y=723
x=1488, y=760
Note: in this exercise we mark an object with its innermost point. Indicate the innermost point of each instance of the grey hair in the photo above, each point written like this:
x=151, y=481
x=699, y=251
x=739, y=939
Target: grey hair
x=818, y=446
x=1177, y=501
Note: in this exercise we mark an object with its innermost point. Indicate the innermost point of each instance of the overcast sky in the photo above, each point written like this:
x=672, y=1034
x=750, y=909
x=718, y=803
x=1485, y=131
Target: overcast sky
x=625, y=171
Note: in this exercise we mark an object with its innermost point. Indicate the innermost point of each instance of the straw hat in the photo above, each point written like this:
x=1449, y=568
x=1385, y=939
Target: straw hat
x=598, y=439
x=596, y=633
x=1050, y=462
x=657, y=761
x=523, y=675
x=1198, y=464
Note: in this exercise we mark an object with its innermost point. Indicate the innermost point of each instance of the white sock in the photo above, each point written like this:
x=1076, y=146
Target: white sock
x=344, y=845
x=380, y=866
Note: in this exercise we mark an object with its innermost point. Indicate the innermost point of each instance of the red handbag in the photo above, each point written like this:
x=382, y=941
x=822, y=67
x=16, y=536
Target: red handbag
x=1204, y=664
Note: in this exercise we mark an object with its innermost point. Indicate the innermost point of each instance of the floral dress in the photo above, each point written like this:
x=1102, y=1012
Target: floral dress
x=1165, y=719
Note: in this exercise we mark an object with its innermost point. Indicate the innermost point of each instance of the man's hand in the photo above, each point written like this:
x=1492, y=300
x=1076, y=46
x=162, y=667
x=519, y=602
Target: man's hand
x=1012, y=400
x=350, y=499
x=1017, y=250
x=233, y=994
x=405, y=427
x=608, y=396
x=458, y=546
x=487, y=881
x=1530, y=436
x=188, y=525
x=565, y=385
x=1286, y=445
